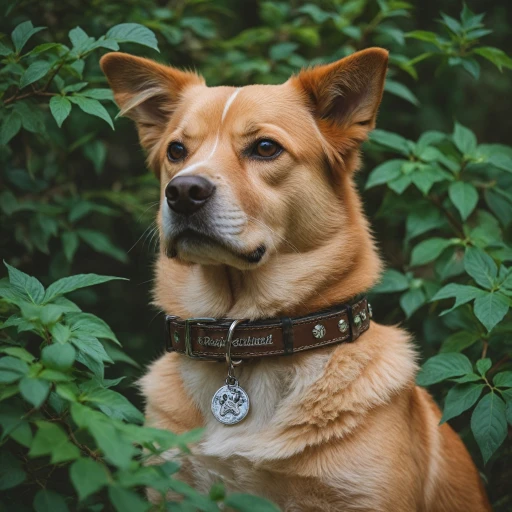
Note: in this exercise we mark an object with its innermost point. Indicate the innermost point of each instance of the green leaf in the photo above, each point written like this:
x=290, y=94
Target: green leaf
x=80, y=40
x=34, y=390
x=317, y=14
x=35, y=72
x=70, y=284
x=5, y=50
x=50, y=439
x=69, y=244
x=90, y=346
x=481, y=267
x=11, y=125
x=11, y=473
x=101, y=243
x=461, y=293
x=99, y=94
x=133, y=33
x=391, y=281
x=248, y=503
x=464, y=196
x=49, y=501
x=88, y=477
x=502, y=162
x=425, y=176
x=442, y=367
x=96, y=152
x=490, y=309
x=459, y=399
x=18, y=352
x=12, y=369
x=58, y=357
x=470, y=377
x=92, y=325
x=385, y=172
x=498, y=57
x=499, y=205
x=422, y=220
x=32, y=118
x=114, y=405
x=67, y=391
x=401, y=91
x=282, y=51
x=411, y=301
x=464, y=139
x=392, y=141
x=22, y=33
x=94, y=364
x=459, y=341
x=92, y=107
x=489, y=424
x=471, y=66
x=60, y=333
x=26, y=284
x=60, y=108
x=451, y=23
x=424, y=35
x=429, y=250
x=483, y=366
x=125, y=500
x=503, y=379
x=118, y=450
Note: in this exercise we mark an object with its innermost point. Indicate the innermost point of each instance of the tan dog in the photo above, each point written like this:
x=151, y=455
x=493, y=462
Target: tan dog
x=265, y=221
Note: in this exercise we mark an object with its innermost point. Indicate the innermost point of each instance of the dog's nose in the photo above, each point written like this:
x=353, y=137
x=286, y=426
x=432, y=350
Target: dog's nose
x=186, y=194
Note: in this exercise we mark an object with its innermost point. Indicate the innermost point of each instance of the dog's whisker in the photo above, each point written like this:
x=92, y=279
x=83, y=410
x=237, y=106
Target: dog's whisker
x=151, y=205
x=139, y=239
x=153, y=233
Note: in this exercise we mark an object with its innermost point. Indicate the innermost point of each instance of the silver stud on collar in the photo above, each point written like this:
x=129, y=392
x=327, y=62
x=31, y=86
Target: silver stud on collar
x=342, y=325
x=363, y=315
x=319, y=331
x=176, y=337
x=370, y=310
x=357, y=321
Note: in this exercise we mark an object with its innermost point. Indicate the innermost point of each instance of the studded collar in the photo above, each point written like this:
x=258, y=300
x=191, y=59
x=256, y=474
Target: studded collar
x=205, y=338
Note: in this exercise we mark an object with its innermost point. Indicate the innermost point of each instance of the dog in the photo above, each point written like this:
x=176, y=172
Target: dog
x=260, y=219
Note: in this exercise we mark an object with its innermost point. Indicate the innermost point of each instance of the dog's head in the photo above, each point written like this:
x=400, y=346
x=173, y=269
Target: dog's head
x=247, y=173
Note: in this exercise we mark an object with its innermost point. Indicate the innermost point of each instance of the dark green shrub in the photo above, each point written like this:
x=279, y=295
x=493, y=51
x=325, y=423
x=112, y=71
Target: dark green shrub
x=75, y=197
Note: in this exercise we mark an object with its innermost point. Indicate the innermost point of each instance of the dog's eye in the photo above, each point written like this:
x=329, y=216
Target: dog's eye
x=176, y=151
x=266, y=148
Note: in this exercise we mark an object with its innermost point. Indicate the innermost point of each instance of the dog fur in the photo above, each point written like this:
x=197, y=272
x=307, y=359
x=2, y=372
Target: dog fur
x=341, y=428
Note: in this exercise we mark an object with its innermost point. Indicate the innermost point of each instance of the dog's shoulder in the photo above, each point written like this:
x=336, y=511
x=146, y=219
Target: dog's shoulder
x=168, y=405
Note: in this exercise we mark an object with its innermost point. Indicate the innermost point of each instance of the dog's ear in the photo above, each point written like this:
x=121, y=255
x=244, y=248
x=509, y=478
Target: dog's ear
x=145, y=91
x=344, y=96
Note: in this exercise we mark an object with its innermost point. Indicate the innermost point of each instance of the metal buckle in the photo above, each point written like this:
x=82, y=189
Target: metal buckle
x=168, y=342
x=188, y=341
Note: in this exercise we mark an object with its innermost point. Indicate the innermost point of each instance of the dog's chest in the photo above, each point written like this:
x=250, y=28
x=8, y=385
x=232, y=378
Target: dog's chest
x=254, y=456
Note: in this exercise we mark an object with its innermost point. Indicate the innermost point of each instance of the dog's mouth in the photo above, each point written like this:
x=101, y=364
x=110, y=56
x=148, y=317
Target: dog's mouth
x=193, y=242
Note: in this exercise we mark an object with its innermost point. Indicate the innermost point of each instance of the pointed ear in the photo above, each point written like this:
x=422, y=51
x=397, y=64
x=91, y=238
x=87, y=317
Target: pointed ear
x=145, y=91
x=344, y=96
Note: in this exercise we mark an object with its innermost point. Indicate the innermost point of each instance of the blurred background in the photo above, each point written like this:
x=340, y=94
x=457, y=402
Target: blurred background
x=80, y=199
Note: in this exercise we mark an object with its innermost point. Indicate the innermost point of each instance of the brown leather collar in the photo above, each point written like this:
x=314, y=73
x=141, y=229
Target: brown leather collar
x=205, y=338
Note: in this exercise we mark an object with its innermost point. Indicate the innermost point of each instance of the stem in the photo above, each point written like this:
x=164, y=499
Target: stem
x=484, y=349
x=15, y=96
x=40, y=92
x=453, y=221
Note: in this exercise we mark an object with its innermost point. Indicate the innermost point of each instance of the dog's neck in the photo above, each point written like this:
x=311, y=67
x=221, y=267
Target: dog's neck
x=288, y=284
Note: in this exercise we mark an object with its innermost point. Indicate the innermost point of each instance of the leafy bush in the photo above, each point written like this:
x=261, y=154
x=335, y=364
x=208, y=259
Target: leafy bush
x=442, y=181
x=75, y=198
x=67, y=424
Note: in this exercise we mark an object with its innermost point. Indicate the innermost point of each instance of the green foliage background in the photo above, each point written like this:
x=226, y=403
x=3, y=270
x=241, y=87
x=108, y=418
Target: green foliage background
x=76, y=199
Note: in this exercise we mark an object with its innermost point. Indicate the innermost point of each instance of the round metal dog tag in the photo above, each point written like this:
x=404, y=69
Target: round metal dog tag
x=230, y=404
